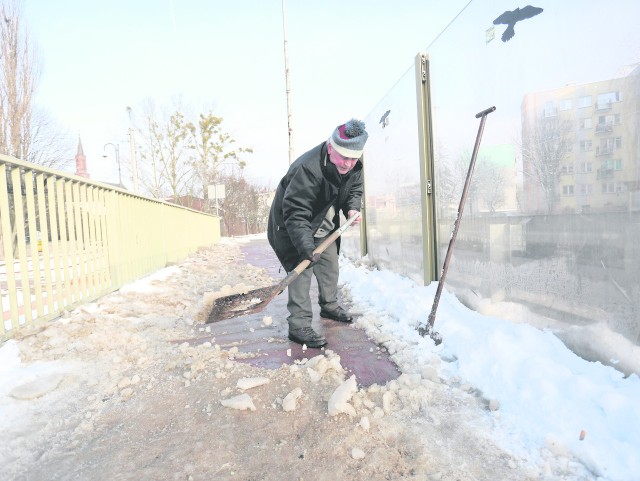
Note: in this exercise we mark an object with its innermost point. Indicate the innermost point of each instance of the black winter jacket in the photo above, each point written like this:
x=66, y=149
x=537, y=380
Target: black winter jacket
x=311, y=185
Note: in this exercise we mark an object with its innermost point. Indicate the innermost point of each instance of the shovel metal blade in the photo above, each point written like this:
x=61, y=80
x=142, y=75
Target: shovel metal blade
x=237, y=305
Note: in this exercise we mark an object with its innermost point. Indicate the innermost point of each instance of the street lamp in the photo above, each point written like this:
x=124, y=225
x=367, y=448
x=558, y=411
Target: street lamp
x=117, y=151
x=132, y=145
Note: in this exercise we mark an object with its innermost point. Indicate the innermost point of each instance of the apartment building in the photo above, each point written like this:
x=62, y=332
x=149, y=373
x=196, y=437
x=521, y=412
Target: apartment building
x=581, y=148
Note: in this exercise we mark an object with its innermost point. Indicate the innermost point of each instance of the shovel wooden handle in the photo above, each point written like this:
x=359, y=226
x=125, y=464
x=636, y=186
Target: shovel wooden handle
x=322, y=247
x=244, y=303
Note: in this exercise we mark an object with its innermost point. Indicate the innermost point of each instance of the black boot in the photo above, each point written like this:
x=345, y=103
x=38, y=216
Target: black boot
x=306, y=335
x=337, y=314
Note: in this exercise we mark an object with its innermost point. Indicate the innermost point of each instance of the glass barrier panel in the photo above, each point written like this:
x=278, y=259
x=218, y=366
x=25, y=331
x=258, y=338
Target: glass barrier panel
x=392, y=183
x=549, y=233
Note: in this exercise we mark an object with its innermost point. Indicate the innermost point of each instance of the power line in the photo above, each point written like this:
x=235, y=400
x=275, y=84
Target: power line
x=449, y=24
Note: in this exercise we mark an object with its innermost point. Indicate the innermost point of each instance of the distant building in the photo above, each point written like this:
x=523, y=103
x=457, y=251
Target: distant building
x=580, y=147
x=190, y=201
x=81, y=162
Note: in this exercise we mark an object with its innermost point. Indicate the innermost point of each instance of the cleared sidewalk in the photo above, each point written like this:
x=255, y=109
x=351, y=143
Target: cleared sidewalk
x=359, y=355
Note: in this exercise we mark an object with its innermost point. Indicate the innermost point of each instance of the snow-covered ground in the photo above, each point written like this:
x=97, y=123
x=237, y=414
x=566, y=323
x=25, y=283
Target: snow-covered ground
x=548, y=397
x=549, y=413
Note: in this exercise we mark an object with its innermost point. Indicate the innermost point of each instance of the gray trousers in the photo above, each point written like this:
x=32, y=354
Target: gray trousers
x=326, y=271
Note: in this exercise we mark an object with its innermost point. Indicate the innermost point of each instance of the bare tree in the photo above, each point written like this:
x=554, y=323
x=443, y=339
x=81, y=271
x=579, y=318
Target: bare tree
x=213, y=148
x=448, y=186
x=491, y=184
x=243, y=209
x=25, y=132
x=544, y=146
x=150, y=173
x=174, y=155
x=166, y=155
x=17, y=81
x=51, y=146
x=182, y=158
x=487, y=184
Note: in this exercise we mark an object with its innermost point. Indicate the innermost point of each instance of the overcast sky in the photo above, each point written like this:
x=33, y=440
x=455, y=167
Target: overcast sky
x=100, y=57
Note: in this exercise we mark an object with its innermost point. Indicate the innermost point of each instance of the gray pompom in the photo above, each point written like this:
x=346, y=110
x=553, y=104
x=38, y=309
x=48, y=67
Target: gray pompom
x=354, y=128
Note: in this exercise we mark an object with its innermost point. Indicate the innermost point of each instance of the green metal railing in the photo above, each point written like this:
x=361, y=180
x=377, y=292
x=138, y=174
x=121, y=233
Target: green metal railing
x=66, y=240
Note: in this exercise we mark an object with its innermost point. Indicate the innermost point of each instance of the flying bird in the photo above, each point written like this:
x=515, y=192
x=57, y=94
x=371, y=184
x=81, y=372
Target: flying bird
x=384, y=120
x=511, y=17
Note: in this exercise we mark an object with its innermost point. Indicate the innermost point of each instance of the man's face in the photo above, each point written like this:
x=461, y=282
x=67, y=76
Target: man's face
x=343, y=164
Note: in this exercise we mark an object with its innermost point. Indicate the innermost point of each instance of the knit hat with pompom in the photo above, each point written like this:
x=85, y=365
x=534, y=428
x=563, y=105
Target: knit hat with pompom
x=349, y=138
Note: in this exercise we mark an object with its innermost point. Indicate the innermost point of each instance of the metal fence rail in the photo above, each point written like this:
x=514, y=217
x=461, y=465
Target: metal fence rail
x=67, y=240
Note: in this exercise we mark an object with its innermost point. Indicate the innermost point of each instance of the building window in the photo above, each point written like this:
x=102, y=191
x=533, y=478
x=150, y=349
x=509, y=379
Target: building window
x=550, y=109
x=586, y=145
x=584, y=101
x=567, y=190
x=606, y=122
x=606, y=100
x=617, y=142
x=566, y=169
x=609, y=119
x=612, y=187
x=611, y=143
x=585, y=123
x=566, y=104
x=586, y=189
x=611, y=164
x=585, y=167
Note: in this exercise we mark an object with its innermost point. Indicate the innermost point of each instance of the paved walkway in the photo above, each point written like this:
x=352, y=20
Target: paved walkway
x=359, y=355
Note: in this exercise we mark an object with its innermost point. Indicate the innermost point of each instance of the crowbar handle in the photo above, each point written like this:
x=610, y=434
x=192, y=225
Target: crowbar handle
x=428, y=329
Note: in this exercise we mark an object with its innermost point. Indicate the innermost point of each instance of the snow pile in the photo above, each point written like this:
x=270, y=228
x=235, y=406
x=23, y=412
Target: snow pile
x=551, y=410
x=541, y=394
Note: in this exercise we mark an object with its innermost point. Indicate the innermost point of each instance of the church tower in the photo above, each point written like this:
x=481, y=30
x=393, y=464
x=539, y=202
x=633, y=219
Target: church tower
x=81, y=162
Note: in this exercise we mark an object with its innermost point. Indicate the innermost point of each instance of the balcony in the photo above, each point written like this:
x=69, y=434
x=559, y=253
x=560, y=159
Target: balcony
x=604, y=105
x=605, y=174
x=603, y=128
x=607, y=150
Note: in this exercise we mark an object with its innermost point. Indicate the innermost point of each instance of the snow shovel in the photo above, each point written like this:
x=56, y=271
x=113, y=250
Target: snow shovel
x=428, y=329
x=253, y=301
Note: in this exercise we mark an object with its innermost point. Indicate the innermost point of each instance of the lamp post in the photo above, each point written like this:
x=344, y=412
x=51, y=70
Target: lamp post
x=117, y=151
x=132, y=145
x=288, y=85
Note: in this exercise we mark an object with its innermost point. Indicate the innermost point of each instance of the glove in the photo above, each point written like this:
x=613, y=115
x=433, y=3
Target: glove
x=313, y=258
x=350, y=214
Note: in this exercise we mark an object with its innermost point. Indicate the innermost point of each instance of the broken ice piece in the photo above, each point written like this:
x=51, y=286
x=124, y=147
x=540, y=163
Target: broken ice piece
x=241, y=402
x=357, y=453
x=289, y=401
x=251, y=382
x=339, y=400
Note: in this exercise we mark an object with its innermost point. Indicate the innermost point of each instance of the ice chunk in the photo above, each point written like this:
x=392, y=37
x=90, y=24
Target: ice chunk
x=339, y=401
x=241, y=402
x=289, y=402
x=357, y=453
x=37, y=388
x=251, y=382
